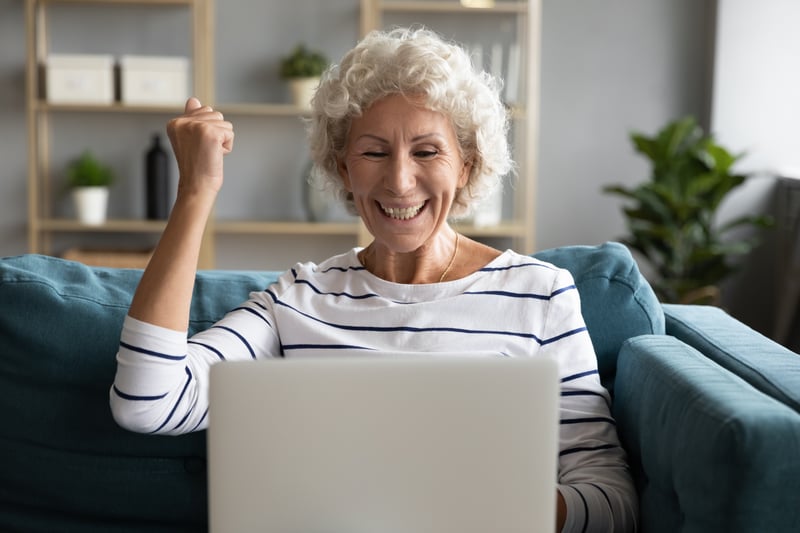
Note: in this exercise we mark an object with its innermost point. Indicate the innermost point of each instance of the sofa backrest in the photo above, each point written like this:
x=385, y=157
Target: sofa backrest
x=616, y=301
x=73, y=468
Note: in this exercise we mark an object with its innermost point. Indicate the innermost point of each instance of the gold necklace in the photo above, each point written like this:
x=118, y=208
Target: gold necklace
x=363, y=259
x=452, y=259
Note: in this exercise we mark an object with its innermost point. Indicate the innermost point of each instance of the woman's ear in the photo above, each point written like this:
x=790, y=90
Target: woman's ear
x=341, y=166
x=466, y=170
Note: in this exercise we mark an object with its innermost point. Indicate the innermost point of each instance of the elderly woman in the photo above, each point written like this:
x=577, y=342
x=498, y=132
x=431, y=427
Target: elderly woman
x=410, y=136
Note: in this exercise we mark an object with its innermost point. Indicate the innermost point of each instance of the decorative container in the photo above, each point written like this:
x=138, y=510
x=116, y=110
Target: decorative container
x=154, y=80
x=79, y=79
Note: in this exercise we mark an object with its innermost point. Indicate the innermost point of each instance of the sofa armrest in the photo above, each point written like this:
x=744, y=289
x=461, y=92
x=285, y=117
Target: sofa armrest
x=709, y=452
x=765, y=364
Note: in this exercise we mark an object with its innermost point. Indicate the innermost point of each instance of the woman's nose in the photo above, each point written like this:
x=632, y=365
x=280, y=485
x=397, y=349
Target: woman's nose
x=399, y=178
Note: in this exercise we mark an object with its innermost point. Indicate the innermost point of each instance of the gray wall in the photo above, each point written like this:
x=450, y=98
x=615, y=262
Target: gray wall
x=608, y=67
x=13, y=130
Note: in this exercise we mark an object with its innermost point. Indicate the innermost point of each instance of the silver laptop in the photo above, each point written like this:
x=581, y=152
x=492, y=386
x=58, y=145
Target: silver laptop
x=383, y=444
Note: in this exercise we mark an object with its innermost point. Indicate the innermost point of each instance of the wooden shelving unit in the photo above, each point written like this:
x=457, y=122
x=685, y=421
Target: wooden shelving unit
x=45, y=226
x=42, y=226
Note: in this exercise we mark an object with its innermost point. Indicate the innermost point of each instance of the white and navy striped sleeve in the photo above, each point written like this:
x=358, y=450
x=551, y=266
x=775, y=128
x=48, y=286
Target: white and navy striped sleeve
x=161, y=384
x=593, y=474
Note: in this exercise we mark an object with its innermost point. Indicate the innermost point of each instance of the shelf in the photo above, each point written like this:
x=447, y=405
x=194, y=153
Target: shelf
x=505, y=229
x=47, y=107
x=266, y=110
x=110, y=226
x=134, y=2
x=285, y=228
x=451, y=7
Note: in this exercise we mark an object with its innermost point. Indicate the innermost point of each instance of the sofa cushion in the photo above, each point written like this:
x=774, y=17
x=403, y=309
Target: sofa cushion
x=766, y=365
x=67, y=465
x=709, y=452
x=616, y=301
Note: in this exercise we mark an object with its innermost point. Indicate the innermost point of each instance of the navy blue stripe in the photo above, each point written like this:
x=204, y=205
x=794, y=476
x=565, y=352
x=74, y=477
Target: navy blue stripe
x=286, y=347
x=241, y=338
x=259, y=304
x=200, y=422
x=510, y=294
x=183, y=420
x=410, y=329
x=255, y=313
x=126, y=396
x=589, y=420
x=345, y=294
x=579, y=375
x=563, y=289
x=570, y=451
x=152, y=353
x=523, y=294
x=585, y=393
x=563, y=335
x=582, y=393
x=208, y=347
x=178, y=402
x=343, y=269
x=524, y=265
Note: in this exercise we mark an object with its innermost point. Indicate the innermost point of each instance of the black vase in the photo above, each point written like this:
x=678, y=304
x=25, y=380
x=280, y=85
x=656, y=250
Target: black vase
x=157, y=181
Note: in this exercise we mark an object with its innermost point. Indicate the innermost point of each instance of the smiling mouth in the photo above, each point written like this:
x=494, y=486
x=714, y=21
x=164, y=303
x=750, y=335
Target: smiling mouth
x=402, y=213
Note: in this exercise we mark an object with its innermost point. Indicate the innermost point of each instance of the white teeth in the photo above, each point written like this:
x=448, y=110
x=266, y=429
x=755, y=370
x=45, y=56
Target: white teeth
x=403, y=213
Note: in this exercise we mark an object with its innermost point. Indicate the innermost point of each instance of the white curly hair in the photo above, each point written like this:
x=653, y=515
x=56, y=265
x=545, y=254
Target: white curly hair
x=412, y=62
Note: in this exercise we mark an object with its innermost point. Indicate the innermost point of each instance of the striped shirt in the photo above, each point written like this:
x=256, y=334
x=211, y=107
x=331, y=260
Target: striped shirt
x=515, y=306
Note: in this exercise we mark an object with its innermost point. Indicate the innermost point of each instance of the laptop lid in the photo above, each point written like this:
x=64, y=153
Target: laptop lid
x=383, y=445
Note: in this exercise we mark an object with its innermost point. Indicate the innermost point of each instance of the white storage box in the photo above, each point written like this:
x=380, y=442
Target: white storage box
x=154, y=80
x=79, y=79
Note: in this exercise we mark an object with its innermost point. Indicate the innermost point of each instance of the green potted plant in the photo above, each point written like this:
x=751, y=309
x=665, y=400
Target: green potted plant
x=302, y=69
x=89, y=181
x=671, y=218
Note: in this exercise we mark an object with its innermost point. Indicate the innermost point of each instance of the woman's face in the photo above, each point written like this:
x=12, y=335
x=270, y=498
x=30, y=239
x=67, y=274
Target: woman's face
x=403, y=165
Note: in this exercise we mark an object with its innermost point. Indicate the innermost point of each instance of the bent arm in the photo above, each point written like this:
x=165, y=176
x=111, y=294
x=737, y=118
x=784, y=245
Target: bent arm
x=200, y=138
x=156, y=377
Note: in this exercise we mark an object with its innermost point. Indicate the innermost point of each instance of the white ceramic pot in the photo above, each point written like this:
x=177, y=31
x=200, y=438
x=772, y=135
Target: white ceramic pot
x=303, y=90
x=91, y=204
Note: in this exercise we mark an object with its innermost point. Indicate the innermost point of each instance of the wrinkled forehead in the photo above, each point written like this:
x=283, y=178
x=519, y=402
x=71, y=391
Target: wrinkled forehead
x=414, y=113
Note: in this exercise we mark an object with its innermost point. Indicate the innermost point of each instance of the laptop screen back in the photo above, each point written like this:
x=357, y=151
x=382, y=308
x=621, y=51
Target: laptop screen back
x=383, y=444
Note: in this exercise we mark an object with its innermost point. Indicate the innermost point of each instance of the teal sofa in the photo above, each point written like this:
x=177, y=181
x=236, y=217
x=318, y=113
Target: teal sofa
x=706, y=407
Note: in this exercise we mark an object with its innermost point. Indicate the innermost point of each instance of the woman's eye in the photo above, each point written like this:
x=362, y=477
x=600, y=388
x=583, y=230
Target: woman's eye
x=425, y=154
x=374, y=154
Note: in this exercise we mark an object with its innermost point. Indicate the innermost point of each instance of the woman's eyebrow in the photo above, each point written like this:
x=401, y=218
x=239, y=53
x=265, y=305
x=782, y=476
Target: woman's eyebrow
x=416, y=138
x=425, y=136
x=370, y=136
